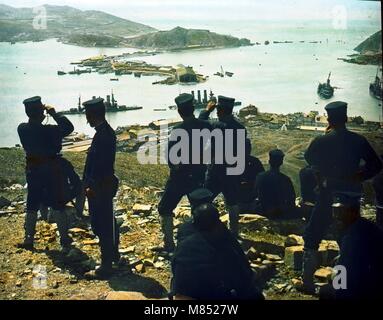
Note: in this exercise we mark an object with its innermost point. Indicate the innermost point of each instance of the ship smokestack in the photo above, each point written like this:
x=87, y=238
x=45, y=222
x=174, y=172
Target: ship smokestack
x=193, y=94
x=205, y=96
x=199, y=96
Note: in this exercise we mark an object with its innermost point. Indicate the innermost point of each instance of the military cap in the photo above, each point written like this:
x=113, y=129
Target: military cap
x=226, y=102
x=184, y=100
x=276, y=154
x=336, y=109
x=94, y=104
x=33, y=105
x=200, y=196
x=346, y=199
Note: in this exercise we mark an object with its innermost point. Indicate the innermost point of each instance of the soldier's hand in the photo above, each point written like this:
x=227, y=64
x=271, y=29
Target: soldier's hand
x=50, y=109
x=211, y=106
x=89, y=193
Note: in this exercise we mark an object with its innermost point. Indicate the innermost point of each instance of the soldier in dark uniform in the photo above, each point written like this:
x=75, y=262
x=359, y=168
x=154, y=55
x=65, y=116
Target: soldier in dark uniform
x=101, y=185
x=45, y=173
x=275, y=191
x=336, y=157
x=360, y=250
x=253, y=167
x=377, y=184
x=210, y=264
x=217, y=180
x=184, y=177
x=309, y=184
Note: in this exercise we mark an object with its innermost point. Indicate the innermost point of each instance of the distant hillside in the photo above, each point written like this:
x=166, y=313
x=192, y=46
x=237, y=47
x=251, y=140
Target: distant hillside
x=69, y=25
x=373, y=43
x=180, y=38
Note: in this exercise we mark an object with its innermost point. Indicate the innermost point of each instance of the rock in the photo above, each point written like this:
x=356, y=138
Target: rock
x=4, y=202
x=225, y=218
x=273, y=257
x=297, y=283
x=159, y=264
x=78, y=231
x=142, y=208
x=294, y=257
x=73, y=280
x=125, y=295
x=90, y=242
x=140, y=268
x=130, y=249
x=323, y=274
x=134, y=262
x=253, y=221
x=293, y=240
x=55, y=285
x=148, y=262
x=143, y=221
x=249, y=110
x=252, y=253
x=18, y=283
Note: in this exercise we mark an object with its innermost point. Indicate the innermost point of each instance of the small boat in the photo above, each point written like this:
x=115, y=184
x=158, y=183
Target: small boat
x=376, y=89
x=114, y=79
x=137, y=74
x=229, y=74
x=325, y=90
x=159, y=109
x=61, y=73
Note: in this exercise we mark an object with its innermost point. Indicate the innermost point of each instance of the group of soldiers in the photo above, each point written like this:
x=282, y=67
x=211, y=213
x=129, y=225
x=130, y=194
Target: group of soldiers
x=207, y=259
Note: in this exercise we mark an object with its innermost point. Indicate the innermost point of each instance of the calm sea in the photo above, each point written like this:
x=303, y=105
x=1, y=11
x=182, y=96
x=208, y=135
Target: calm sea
x=278, y=78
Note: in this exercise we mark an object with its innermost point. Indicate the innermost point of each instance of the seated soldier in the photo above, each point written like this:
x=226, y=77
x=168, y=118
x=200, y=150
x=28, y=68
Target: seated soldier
x=247, y=188
x=209, y=263
x=360, y=250
x=275, y=191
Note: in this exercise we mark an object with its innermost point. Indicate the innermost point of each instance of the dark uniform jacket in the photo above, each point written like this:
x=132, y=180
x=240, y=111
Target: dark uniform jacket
x=99, y=166
x=188, y=168
x=212, y=265
x=228, y=122
x=362, y=255
x=247, y=189
x=41, y=141
x=275, y=192
x=337, y=156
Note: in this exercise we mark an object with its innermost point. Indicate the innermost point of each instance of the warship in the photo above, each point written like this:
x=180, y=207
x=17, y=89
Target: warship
x=325, y=90
x=111, y=105
x=376, y=88
x=201, y=102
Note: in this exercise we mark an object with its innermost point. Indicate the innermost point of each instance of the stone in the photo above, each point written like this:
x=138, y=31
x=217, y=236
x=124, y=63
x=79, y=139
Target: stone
x=142, y=208
x=18, y=283
x=78, y=231
x=252, y=253
x=140, y=268
x=225, y=218
x=90, y=242
x=323, y=274
x=148, y=262
x=293, y=240
x=294, y=257
x=273, y=257
x=125, y=295
x=159, y=264
x=4, y=202
x=130, y=249
x=55, y=285
x=297, y=283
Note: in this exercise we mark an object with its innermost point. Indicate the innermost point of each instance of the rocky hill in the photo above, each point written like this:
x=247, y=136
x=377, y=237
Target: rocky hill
x=181, y=38
x=69, y=25
x=372, y=44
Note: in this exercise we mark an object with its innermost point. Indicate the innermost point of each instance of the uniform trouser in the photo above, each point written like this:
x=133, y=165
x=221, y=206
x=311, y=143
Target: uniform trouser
x=105, y=227
x=377, y=183
x=217, y=181
x=308, y=184
x=320, y=220
x=176, y=187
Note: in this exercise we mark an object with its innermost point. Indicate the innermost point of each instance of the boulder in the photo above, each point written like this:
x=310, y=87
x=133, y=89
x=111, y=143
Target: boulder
x=142, y=208
x=293, y=240
x=323, y=274
x=294, y=257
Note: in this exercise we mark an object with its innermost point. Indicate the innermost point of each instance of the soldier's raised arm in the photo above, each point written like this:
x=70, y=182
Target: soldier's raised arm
x=65, y=126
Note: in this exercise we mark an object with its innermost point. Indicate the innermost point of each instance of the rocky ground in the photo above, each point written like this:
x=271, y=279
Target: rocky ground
x=274, y=248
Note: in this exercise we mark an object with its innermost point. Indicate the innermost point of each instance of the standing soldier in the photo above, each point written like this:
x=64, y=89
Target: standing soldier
x=336, y=156
x=184, y=177
x=101, y=185
x=217, y=179
x=44, y=170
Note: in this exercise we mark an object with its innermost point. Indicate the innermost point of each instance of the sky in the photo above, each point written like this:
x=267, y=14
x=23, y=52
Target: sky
x=149, y=10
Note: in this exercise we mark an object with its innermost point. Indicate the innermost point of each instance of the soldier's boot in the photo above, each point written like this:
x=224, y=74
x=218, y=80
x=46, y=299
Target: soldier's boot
x=167, y=230
x=233, y=220
x=30, y=229
x=61, y=219
x=379, y=216
x=310, y=264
